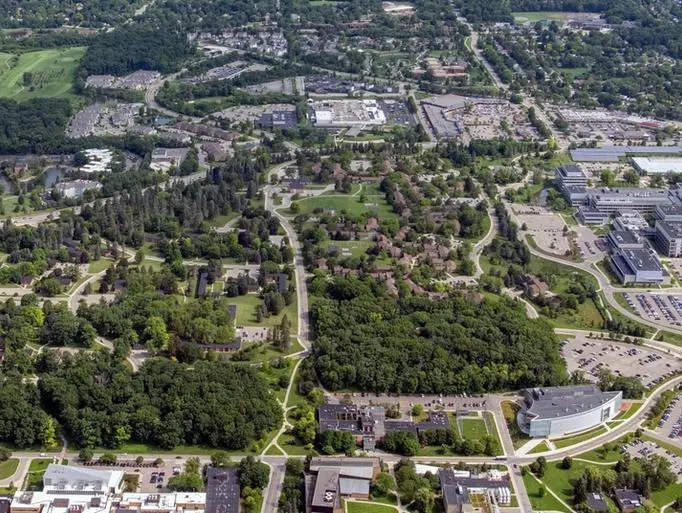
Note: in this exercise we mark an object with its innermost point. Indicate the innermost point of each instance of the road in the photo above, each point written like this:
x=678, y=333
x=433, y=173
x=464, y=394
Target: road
x=605, y=286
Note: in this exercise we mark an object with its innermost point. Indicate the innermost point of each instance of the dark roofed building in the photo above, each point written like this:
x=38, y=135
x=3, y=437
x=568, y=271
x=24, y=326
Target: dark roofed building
x=222, y=490
x=596, y=502
x=628, y=500
x=456, y=486
x=281, y=119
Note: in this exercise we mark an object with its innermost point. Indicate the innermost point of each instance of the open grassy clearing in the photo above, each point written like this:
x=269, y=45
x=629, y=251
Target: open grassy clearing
x=100, y=265
x=509, y=410
x=372, y=205
x=41, y=74
x=473, y=428
x=545, y=503
x=356, y=247
x=535, y=16
x=246, y=312
x=8, y=468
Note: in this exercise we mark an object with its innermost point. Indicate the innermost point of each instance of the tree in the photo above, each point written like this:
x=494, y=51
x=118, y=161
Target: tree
x=418, y=410
x=107, y=458
x=567, y=463
x=607, y=178
x=5, y=454
x=423, y=500
x=254, y=474
x=156, y=335
x=295, y=208
x=48, y=435
x=86, y=454
x=186, y=482
x=542, y=491
x=220, y=459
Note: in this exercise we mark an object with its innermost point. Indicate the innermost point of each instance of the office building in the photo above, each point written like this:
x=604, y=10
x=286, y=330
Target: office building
x=592, y=215
x=642, y=200
x=557, y=411
x=332, y=479
x=668, y=238
x=625, y=239
x=458, y=487
x=638, y=266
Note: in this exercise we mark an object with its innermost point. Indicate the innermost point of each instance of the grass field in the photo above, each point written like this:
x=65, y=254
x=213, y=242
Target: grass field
x=51, y=73
x=8, y=468
x=36, y=469
x=546, y=503
x=246, y=312
x=634, y=408
x=368, y=507
x=100, y=265
x=351, y=205
x=509, y=410
x=473, y=428
x=535, y=16
x=356, y=247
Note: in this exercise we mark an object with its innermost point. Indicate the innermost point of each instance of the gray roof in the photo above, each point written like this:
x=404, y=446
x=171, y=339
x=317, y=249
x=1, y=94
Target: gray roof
x=596, y=502
x=671, y=209
x=640, y=259
x=326, y=492
x=548, y=403
x=613, y=153
x=572, y=170
x=222, y=490
x=625, y=237
x=351, y=486
x=674, y=228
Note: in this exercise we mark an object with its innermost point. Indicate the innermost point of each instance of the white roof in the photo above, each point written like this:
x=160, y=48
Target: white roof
x=64, y=478
x=658, y=165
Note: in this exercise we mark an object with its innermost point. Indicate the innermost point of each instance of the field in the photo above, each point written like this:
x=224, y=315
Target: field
x=246, y=312
x=355, y=247
x=545, y=503
x=541, y=447
x=8, y=468
x=34, y=478
x=473, y=428
x=43, y=74
x=349, y=204
x=535, y=16
x=366, y=507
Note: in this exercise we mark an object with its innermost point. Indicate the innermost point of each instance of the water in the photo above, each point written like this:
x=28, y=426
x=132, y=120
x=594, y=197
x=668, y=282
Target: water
x=52, y=176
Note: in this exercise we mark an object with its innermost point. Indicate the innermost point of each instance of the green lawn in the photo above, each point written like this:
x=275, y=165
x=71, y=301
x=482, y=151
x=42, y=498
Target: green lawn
x=535, y=16
x=246, y=312
x=368, y=507
x=576, y=439
x=348, y=204
x=356, y=247
x=100, y=265
x=489, y=419
x=51, y=73
x=509, y=410
x=292, y=446
x=36, y=469
x=634, y=408
x=473, y=428
x=541, y=447
x=546, y=503
x=8, y=468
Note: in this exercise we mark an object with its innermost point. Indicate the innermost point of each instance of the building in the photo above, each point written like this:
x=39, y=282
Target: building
x=99, y=161
x=162, y=502
x=656, y=166
x=625, y=239
x=331, y=479
x=591, y=215
x=458, y=487
x=612, y=201
x=344, y=113
x=628, y=500
x=597, y=503
x=556, y=411
x=575, y=194
x=669, y=212
x=668, y=238
x=68, y=489
x=616, y=153
x=638, y=266
x=369, y=424
x=165, y=158
x=222, y=490
x=632, y=221
x=279, y=119
x=76, y=188
x=570, y=174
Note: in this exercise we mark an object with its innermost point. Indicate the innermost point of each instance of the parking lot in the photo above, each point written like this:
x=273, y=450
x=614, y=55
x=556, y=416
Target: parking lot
x=546, y=227
x=591, y=355
x=152, y=478
x=640, y=449
x=670, y=424
x=658, y=307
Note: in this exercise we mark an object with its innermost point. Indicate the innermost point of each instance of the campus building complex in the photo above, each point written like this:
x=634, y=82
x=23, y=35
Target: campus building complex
x=463, y=492
x=330, y=480
x=556, y=411
x=638, y=265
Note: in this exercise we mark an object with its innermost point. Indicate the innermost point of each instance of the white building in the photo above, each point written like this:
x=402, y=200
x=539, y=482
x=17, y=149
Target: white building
x=343, y=113
x=99, y=161
x=76, y=188
x=638, y=266
x=557, y=411
x=655, y=166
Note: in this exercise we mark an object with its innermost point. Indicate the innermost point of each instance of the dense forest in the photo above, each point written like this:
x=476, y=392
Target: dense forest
x=369, y=341
x=42, y=14
x=36, y=126
x=100, y=402
x=134, y=47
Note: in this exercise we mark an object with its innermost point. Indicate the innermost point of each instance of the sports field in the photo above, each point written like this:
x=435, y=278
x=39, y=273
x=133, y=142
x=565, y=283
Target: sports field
x=535, y=16
x=42, y=74
x=473, y=428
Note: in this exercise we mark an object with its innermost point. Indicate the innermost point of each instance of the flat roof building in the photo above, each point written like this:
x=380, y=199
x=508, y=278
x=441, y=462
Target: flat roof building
x=331, y=479
x=557, y=411
x=570, y=174
x=615, y=153
x=669, y=212
x=656, y=166
x=626, y=199
x=592, y=215
x=632, y=221
x=281, y=119
x=668, y=238
x=638, y=266
x=457, y=486
x=222, y=490
x=625, y=239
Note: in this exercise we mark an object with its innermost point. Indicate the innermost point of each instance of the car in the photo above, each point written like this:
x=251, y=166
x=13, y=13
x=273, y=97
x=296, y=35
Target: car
x=154, y=479
x=161, y=474
x=43, y=454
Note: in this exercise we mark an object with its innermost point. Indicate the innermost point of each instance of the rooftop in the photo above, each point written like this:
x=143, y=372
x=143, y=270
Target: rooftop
x=639, y=260
x=222, y=490
x=546, y=403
